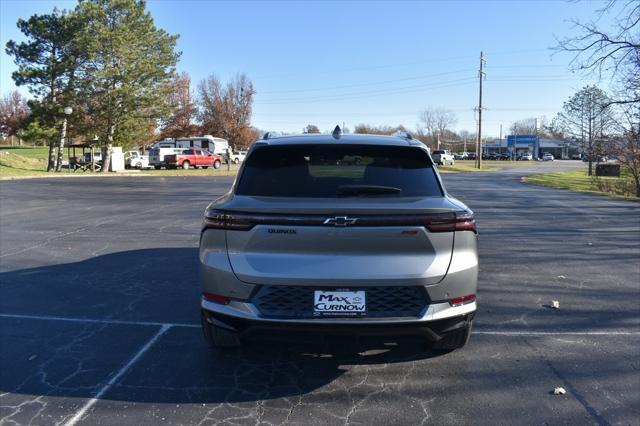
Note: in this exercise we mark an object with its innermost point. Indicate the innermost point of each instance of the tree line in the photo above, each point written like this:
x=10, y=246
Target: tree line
x=109, y=62
x=114, y=71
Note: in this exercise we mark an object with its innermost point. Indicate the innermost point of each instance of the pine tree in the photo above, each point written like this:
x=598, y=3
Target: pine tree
x=130, y=68
x=47, y=63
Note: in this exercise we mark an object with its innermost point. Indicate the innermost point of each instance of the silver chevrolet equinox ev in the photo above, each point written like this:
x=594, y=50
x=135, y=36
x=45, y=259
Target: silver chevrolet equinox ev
x=338, y=234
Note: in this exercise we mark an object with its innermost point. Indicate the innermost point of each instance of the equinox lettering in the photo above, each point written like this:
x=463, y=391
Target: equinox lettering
x=281, y=231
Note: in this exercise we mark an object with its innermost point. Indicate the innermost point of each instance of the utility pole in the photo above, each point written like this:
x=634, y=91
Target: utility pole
x=438, y=141
x=479, y=140
x=537, y=143
x=500, y=139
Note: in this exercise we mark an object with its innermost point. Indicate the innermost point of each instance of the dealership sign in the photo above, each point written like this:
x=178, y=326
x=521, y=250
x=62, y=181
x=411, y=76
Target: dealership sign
x=530, y=140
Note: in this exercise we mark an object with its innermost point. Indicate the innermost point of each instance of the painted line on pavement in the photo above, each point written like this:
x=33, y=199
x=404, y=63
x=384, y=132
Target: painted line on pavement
x=83, y=410
x=98, y=321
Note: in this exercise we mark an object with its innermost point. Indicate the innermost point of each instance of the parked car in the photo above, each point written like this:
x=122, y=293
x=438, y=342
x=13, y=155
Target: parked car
x=193, y=158
x=133, y=159
x=471, y=156
x=504, y=156
x=443, y=157
x=301, y=244
x=547, y=157
x=238, y=156
x=490, y=156
x=525, y=157
x=459, y=156
x=576, y=157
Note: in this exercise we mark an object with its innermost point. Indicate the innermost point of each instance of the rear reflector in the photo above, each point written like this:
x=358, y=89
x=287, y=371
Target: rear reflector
x=216, y=298
x=458, y=301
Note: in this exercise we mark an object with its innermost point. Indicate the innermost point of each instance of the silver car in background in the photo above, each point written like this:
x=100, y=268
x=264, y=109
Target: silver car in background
x=338, y=234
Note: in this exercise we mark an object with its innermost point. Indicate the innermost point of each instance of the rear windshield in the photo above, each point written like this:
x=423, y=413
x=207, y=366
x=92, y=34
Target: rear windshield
x=338, y=171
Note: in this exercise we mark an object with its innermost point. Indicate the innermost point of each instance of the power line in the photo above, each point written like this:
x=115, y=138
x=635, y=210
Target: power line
x=397, y=65
x=365, y=94
x=393, y=113
x=368, y=68
x=368, y=84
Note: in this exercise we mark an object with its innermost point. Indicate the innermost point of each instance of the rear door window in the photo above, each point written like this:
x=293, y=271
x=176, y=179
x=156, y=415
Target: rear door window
x=338, y=171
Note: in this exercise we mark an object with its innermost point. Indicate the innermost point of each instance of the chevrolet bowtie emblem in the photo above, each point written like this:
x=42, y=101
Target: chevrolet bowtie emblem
x=340, y=221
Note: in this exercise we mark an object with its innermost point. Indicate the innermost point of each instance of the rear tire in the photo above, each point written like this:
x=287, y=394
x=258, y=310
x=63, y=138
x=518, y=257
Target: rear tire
x=236, y=161
x=454, y=339
x=185, y=165
x=156, y=167
x=216, y=164
x=218, y=337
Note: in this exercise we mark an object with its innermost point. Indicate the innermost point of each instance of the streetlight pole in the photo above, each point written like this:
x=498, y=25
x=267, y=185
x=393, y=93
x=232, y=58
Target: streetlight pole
x=63, y=134
x=481, y=74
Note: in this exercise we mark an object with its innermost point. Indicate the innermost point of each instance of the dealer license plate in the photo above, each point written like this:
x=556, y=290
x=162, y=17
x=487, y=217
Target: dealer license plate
x=339, y=303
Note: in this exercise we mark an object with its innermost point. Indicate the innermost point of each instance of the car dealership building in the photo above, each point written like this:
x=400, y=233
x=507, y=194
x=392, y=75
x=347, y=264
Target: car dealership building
x=532, y=144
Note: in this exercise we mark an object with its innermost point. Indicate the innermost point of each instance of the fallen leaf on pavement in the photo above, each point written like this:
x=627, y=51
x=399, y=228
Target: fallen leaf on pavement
x=559, y=391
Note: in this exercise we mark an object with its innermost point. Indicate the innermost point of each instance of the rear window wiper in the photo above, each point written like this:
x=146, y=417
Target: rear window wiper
x=355, y=190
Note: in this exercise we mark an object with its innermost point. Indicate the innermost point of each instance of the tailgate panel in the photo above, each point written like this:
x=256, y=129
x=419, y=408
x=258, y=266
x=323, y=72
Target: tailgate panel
x=327, y=255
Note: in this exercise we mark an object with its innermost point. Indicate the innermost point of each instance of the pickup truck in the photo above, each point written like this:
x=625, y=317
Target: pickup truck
x=442, y=157
x=238, y=156
x=133, y=159
x=192, y=158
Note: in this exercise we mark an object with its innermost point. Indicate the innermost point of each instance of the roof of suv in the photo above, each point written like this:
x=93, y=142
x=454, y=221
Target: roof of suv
x=356, y=139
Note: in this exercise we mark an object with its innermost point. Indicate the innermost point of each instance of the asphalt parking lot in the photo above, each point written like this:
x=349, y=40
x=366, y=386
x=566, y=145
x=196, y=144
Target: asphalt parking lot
x=99, y=317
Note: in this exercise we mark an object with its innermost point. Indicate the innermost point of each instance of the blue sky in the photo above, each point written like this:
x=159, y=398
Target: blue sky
x=366, y=62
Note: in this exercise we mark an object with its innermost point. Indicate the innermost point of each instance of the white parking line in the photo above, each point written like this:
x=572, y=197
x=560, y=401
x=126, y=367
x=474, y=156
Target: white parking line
x=81, y=412
x=557, y=333
x=187, y=325
x=98, y=321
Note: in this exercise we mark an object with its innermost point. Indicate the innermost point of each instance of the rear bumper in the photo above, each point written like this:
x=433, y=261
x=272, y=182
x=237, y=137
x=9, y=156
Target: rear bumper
x=243, y=318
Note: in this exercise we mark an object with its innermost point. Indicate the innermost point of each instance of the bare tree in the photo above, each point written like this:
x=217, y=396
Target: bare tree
x=311, y=128
x=181, y=123
x=377, y=130
x=13, y=112
x=627, y=152
x=588, y=117
x=525, y=126
x=226, y=111
x=436, y=121
x=611, y=51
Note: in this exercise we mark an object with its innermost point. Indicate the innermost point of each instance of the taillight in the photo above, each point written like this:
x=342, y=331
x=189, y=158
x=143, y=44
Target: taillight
x=454, y=222
x=214, y=219
x=459, y=301
x=217, y=219
x=216, y=298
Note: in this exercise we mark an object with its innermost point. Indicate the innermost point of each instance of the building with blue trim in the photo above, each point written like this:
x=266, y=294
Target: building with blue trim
x=532, y=144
